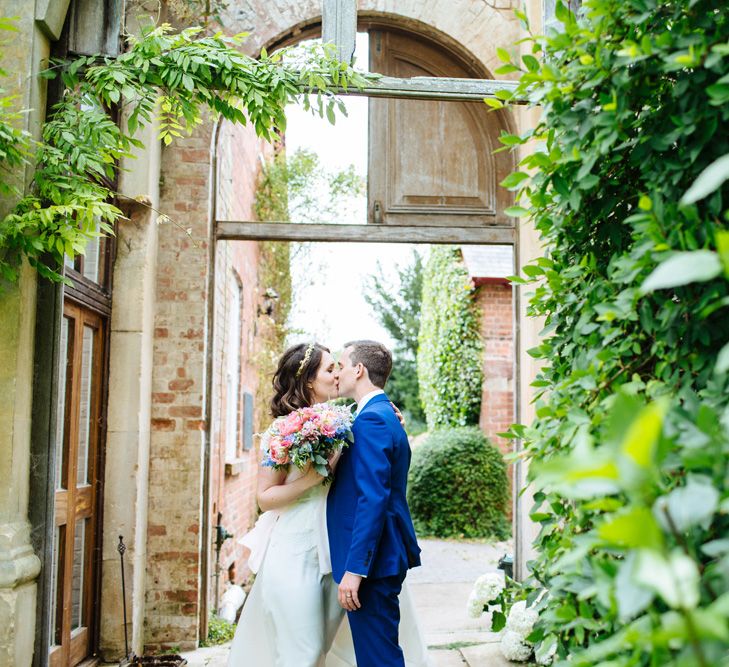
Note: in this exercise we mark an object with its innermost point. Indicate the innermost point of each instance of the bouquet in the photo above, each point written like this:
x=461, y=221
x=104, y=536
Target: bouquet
x=308, y=435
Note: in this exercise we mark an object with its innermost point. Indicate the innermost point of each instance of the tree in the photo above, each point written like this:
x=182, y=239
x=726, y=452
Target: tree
x=292, y=186
x=398, y=311
x=629, y=454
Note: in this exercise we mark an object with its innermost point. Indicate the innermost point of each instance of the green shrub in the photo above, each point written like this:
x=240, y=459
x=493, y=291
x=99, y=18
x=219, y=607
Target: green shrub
x=449, y=343
x=629, y=454
x=458, y=486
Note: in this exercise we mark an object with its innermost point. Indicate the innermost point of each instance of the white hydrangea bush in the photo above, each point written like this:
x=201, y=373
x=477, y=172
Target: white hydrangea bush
x=487, y=590
x=514, y=647
x=521, y=618
x=486, y=602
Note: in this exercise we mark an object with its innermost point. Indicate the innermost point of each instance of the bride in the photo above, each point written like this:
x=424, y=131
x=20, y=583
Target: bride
x=292, y=616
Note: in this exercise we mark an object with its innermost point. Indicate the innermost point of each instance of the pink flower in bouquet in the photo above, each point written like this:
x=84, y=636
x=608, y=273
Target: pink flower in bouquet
x=307, y=413
x=291, y=424
x=327, y=424
x=309, y=430
x=279, y=452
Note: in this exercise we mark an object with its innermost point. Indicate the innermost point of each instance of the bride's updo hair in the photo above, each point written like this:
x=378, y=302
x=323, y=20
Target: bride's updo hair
x=297, y=367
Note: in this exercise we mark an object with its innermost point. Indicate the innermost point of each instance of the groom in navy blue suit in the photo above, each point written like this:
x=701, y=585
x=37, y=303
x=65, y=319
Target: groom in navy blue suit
x=371, y=534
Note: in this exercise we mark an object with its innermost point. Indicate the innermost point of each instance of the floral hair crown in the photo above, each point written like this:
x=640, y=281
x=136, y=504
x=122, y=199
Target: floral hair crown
x=305, y=360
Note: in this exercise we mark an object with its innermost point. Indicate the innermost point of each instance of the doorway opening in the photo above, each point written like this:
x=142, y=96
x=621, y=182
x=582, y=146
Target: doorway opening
x=430, y=177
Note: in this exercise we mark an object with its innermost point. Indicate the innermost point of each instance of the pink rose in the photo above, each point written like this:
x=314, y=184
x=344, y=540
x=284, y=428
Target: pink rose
x=291, y=424
x=278, y=451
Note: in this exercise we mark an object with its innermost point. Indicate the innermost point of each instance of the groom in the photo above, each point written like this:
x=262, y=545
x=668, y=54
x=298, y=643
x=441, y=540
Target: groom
x=371, y=535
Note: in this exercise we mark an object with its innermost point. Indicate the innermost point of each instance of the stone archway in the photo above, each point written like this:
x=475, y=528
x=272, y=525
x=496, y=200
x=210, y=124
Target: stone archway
x=178, y=536
x=501, y=231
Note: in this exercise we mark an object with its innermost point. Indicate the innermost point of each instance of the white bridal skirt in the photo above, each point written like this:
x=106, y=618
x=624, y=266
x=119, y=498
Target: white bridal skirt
x=292, y=616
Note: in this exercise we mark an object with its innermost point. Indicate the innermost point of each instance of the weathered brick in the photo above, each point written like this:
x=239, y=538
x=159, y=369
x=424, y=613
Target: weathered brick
x=163, y=424
x=180, y=384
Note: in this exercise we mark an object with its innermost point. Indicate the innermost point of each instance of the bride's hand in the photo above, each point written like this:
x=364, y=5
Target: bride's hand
x=398, y=414
x=334, y=459
x=311, y=476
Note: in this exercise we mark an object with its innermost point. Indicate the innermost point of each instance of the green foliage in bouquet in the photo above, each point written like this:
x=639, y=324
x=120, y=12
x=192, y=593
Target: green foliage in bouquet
x=175, y=78
x=629, y=452
x=449, y=343
x=457, y=486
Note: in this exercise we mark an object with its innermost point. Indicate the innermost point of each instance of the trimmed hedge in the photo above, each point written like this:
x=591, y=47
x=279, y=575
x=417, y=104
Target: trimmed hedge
x=458, y=486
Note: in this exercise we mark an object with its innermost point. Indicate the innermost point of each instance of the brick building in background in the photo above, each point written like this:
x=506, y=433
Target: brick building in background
x=488, y=267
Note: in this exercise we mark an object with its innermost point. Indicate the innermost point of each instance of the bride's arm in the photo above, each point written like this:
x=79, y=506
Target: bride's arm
x=274, y=492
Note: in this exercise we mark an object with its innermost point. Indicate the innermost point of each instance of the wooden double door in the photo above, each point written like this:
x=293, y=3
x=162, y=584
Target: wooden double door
x=74, y=577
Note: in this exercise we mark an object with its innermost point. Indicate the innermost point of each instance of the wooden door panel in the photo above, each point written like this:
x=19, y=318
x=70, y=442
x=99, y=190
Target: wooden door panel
x=75, y=498
x=431, y=162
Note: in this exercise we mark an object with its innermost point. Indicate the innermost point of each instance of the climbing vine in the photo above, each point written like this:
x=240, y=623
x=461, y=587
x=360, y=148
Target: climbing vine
x=629, y=452
x=164, y=75
x=449, y=343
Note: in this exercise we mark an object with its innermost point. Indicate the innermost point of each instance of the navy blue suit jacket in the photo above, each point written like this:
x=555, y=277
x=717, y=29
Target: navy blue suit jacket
x=370, y=529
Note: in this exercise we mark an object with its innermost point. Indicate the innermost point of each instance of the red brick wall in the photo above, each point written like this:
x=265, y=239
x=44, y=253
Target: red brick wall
x=175, y=588
x=497, y=329
x=178, y=386
x=233, y=493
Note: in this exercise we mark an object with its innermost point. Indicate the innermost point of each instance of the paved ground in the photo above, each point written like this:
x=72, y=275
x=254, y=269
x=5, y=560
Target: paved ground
x=440, y=589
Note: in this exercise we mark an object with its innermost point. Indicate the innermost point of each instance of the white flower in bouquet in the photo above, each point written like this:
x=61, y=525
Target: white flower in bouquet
x=489, y=586
x=521, y=619
x=513, y=647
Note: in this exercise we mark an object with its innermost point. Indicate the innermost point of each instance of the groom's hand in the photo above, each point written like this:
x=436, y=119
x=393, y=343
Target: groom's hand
x=349, y=591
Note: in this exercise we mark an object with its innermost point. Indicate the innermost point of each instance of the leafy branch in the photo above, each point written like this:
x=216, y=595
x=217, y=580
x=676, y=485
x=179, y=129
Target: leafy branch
x=173, y=78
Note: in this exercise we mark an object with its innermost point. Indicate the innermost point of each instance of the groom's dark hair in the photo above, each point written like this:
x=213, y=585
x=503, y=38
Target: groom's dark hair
x=375, y=357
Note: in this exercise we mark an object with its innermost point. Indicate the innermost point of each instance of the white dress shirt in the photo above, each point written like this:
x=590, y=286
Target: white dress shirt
x=366, y=399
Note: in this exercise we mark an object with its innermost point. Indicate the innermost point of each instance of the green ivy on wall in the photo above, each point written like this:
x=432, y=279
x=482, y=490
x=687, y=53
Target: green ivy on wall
x=629, y=452
x=450, y=346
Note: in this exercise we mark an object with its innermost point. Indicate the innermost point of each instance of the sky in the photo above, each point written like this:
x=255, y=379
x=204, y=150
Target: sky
x=328, y=278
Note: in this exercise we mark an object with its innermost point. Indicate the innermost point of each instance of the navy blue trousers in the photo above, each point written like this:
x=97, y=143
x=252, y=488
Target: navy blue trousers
x=375, y=625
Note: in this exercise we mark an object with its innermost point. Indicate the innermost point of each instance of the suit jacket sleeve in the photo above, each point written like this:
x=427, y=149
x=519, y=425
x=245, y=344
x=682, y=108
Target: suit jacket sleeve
x=371, y=458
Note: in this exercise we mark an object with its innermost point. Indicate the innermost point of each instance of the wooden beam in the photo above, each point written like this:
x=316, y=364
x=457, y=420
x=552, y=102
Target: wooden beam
x=433, y=88
x=228, y=230
x=339, y=25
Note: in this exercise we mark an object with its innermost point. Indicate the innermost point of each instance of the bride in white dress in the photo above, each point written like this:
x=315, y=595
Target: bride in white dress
x=292, y=616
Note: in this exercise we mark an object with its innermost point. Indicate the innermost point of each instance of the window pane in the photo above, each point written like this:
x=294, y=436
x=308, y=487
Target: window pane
x=64, y=401
x=232, y=353
x=79, y=551
x=85, y=412
x=56, y=615
x=91, y=260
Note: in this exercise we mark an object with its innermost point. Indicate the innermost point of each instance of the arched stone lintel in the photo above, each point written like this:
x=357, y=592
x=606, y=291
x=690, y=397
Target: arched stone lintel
x=470, y=28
